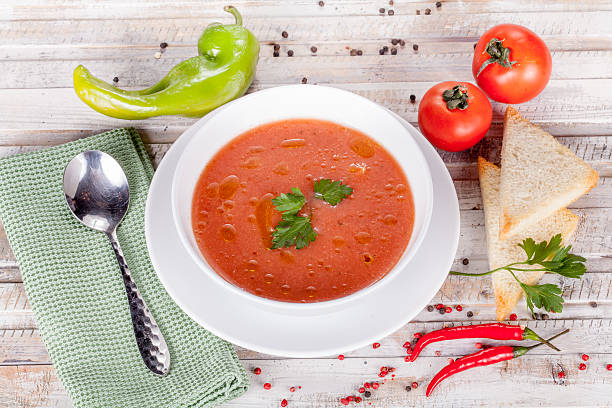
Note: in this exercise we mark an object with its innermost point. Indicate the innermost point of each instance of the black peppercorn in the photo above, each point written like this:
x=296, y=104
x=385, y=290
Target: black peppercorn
x=402, y=42
x=393, y=51
x=412, y=98
x=359, y=52
x=390, y=2
x=545, y=316
x=465, y=261
x=163, y=45
x=593, y=304
x=381, y=51
x=385, y=48
x=304, y=80
x=427, y=11
x=285, y=34
x=391, y=12
x=313, y=49
x=441, y=311
x=438, y=4
x=430, y=308
x=276, y=47
x=415, y=47
x=353, y=52
x=367, y=394
x=408, y=388
x=115, y=79
x=275, y=54
x=418, y=12
x=290, y=53
x=381, y=10
x=470, y=314
x=321, y=4
x=394, y=41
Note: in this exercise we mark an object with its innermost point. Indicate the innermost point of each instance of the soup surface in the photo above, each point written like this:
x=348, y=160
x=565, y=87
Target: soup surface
x=358, y=241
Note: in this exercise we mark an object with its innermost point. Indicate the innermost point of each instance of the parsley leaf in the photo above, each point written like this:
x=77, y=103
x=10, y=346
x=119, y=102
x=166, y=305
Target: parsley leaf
x=547, y=296
x=331, y=191
x=290, y=203
x=293, y=230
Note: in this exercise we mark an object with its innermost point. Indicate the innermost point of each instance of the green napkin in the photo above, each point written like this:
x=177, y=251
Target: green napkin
x=75, y=288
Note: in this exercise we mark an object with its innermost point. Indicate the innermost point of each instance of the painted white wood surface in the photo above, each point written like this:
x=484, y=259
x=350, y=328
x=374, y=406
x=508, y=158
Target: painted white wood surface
x=43, y=40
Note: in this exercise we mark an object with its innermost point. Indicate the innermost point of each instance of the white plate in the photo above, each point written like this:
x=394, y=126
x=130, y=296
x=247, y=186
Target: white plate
x=266, y=330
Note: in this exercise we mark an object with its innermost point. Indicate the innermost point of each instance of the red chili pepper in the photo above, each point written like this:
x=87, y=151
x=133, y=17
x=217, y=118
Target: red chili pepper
x=495, y=331
x=484, y=357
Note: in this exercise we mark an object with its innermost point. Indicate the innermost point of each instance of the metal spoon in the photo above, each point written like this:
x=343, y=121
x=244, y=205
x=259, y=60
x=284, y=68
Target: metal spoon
x=98, y=195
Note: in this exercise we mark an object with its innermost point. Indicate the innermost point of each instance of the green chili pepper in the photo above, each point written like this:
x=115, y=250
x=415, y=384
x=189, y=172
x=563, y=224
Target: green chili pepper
x=222, y=71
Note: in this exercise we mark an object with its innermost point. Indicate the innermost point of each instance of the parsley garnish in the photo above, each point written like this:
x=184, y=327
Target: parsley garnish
x=553, y=258
x=331, y=191
x=296, y=230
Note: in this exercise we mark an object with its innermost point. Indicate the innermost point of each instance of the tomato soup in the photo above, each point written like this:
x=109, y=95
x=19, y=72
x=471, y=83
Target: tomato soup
x=358, y=241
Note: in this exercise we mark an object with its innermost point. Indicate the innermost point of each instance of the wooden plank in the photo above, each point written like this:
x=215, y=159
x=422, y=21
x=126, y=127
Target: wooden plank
x=117, y=29
x=534, y=382
x=29, y=119
x=16, y=10
x=29, y=67
x=25, y=346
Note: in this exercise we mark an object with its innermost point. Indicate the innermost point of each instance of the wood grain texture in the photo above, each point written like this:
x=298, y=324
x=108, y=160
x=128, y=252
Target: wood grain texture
x=44, y=40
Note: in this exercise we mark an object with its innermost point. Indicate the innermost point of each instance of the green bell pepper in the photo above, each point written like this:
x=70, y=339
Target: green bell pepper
x=222, y=71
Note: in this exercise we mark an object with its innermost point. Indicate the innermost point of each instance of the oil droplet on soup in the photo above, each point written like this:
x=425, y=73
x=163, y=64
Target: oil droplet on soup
x=263, y=215
x=293, y=143
x=363, y=237
x=228, y=187
x=362, y=146
x=268, y=278
x=212, y=190
x=228, y=232
x=311, y=291
x=358, y=168
x=285, y=289
x=256, y=149
x=252, y=265
x=281, y=169
x=338, y=241
x=287, y=256
x=251, y=163
x=390, y=219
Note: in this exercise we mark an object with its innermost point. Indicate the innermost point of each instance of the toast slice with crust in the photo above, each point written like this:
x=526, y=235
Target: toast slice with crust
x=507, y=290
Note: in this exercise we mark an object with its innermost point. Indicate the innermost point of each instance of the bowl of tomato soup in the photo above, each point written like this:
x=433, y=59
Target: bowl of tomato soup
x=302, y=196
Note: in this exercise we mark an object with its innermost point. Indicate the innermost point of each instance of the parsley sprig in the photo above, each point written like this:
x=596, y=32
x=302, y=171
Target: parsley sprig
x=553, y=258
x=296, y=230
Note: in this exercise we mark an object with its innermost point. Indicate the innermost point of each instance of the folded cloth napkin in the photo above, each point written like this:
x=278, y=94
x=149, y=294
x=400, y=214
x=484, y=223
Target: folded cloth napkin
x=74, y=286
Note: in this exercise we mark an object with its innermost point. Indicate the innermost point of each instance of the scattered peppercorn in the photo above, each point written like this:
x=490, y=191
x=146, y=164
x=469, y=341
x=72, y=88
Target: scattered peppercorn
x=358, y=399
x=438, y=4
x=470, y=314
x=390, y=2
x=406, y=345
x=321, y=3
x=407, y=358
x=381, y=10
x=313, y=49
x=418, y=12
x=585, y=357
x=427, y=11
x=344, y=401
x=341, y=357
x=304, y=80
x=402, y=43
x=415, y=47
x=367, y=394
x=375, y=385
x=284, y=403
x=291, y=389
x=609, y=367
x=115, y=79
x=290, y=53
x=408, y=388
x=394, y=41
x=437, y=353
x=285, y=34
x=276, y=47
x=593, y=304
x=257, y=371
x=415, y=385
x=513, y=317
x=353, y=52
x=561, y=374
x=393, y=51
x=582, y=367
x=430, y=308
x=359, y=52
x=448, y=309
x=361, y=390
x=465, y=261
x=366, y=385
x=163, y=45
x=381, y=51
x=391, y=12
x=439, y=305
x=275, y=54
x=478, y=345
x=545, y=316
x=475, y=45
x=418, y=335
x=267, y=386
x=442, y=311
x=459, y=308
x=375, y=345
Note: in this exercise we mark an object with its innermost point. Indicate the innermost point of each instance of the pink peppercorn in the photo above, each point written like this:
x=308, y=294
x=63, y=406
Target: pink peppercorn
x=513, y=317
x=375, y=345
x=267, y=386
x=257, y=371
x=582, y=367
x=284, y=403
x=341, y=357
x=585, y=357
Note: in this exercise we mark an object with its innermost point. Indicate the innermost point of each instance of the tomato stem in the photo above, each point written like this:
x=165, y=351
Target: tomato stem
x=498, y=55
x=457, y=97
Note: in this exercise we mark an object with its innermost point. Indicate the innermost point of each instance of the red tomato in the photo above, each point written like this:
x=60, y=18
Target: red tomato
x=518, y=63
x=459, y=128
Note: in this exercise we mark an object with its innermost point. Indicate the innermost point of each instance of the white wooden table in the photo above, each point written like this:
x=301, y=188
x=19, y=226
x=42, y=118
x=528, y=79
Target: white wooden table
x=42, y=41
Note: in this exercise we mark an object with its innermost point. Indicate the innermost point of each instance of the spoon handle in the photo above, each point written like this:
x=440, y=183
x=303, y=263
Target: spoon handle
x=149, y=338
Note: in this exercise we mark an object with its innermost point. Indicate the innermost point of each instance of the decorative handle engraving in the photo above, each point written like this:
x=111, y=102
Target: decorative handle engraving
x=149, y=338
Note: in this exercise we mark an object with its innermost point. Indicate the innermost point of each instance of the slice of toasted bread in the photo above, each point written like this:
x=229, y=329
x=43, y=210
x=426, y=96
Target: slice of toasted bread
x=539, y=175
x=501, y=253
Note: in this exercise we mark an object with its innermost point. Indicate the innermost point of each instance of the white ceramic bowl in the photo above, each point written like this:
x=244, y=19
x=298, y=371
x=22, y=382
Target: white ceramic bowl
x=294, y=102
